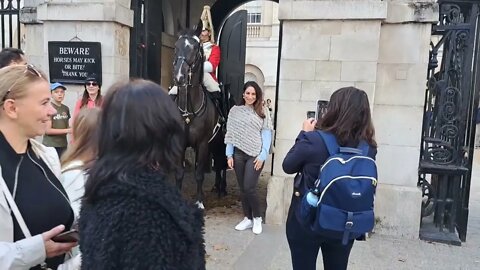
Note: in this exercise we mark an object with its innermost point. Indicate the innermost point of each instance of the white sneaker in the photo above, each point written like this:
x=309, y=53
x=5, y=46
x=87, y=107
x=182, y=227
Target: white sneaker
x=244, y=224
x=257, y=225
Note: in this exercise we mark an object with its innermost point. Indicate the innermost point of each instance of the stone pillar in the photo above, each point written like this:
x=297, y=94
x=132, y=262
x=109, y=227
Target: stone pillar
x=398, y=114
x=380, y=47
x=104, y=21
x=325, y=45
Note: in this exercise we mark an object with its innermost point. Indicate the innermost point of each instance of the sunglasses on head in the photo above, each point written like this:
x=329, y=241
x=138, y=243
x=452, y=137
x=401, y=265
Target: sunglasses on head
x=28, y=68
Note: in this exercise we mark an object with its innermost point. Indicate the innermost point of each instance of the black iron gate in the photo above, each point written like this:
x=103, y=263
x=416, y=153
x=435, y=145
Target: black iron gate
x=146, y=39
x=233, y=43
x=449, y=122
x=10, y=23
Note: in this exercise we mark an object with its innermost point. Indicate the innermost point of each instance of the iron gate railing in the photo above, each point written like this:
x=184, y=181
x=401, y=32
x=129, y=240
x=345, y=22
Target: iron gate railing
x=449, y=122
x=10, y=23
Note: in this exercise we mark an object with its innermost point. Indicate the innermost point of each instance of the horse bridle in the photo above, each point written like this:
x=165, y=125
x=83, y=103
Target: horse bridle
x=191, y=67
x=188, y=83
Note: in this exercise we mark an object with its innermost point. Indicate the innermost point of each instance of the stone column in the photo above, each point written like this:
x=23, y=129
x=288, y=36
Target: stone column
x=380, y=47
x=104, y=21
x=325, y=45
x=398, y=113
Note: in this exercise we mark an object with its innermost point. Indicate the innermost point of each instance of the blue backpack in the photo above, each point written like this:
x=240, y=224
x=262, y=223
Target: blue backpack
x=340, y=205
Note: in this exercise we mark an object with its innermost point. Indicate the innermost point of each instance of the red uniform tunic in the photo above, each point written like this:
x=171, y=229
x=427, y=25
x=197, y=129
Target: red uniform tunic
x=212, y=53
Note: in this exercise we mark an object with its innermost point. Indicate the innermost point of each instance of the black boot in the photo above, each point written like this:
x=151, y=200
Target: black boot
x=218, y=100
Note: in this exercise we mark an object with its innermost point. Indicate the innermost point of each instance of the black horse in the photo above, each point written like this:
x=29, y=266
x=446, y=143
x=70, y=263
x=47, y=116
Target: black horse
x=197, y=109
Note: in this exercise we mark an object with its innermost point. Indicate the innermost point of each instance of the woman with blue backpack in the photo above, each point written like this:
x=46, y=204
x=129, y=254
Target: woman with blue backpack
x=339, y=150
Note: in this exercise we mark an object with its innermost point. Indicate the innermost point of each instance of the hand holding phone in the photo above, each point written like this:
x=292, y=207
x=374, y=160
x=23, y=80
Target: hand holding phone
x=54, y=249
x=311, y=114
x=67, y=237
x=309, y=124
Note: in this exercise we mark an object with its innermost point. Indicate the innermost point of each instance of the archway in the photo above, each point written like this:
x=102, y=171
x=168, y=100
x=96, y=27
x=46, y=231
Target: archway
x=223, y=8
x=253, y=73
x=255, y=65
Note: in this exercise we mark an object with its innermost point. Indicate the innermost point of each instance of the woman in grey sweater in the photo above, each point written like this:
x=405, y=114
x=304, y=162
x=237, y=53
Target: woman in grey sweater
x=248, y=139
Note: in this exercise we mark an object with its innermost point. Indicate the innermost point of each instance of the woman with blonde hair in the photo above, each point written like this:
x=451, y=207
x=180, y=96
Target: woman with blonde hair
x=33, y=200
x=79, y=156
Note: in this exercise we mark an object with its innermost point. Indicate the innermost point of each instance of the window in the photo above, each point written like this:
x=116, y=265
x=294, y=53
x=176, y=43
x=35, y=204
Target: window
x=254, y=17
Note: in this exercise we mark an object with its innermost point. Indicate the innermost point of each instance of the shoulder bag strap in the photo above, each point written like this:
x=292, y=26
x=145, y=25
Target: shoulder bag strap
x=18, y=216
x=16, y=212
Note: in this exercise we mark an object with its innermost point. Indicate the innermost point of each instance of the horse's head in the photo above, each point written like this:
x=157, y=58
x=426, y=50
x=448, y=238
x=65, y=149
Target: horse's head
x=188, y=57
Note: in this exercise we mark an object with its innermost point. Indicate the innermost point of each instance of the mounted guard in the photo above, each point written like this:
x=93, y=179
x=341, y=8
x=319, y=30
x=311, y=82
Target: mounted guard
x=193, y=93
x=211, y=53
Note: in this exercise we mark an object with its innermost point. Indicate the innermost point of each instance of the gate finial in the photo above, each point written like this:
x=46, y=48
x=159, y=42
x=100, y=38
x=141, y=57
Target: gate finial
x=207, y=22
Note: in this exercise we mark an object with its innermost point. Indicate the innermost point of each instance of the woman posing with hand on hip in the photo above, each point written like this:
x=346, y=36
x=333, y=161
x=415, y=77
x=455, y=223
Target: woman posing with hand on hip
x=32, y=201
x=248, y=139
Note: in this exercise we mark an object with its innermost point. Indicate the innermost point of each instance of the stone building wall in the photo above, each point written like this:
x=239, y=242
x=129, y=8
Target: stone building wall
x=380, y=47
x=105, y=21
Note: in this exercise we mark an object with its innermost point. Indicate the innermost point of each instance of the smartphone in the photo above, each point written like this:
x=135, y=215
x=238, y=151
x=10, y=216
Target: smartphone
x=321, y=108
x=67, y=237
x=311, y=114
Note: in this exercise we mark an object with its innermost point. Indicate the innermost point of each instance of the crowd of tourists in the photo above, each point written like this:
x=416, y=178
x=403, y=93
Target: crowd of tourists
x=95, y=193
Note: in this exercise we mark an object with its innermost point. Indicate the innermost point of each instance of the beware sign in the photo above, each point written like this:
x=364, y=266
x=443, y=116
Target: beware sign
x=73, y=62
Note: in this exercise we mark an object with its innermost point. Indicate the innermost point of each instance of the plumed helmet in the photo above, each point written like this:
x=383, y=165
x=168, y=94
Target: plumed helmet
x=207, y=22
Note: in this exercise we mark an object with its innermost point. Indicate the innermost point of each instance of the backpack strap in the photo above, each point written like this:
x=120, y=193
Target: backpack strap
x=330, y=142
x=333, y=147
x=364, y=147
x=348, y=228
x=351, y=150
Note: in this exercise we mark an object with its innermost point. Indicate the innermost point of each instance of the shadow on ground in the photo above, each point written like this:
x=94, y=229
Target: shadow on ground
x=229, y=204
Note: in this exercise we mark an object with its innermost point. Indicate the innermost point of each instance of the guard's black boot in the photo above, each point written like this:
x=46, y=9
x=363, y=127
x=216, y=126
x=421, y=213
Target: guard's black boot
x=218, y=100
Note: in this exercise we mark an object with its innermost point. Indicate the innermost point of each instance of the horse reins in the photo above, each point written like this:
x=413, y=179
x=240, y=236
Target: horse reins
x=186, y=113
x=191, y=68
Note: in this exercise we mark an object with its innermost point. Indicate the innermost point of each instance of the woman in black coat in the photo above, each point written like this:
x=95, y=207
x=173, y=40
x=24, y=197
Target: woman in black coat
x=348, y=118
x=131, y=216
